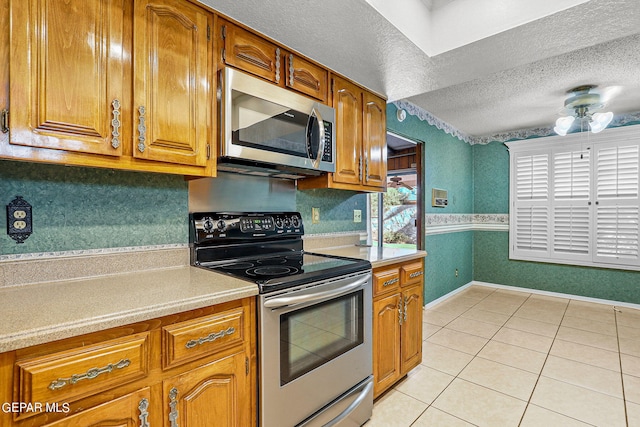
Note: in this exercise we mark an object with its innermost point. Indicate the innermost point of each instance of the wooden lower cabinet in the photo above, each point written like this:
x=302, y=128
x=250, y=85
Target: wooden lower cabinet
x=192, y=369
x=211, y=395
x=386, y=342
x=397, y=322
x=131, y=410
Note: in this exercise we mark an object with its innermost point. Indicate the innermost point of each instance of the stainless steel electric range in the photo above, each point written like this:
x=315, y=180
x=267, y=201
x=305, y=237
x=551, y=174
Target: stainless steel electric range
x=314, y=316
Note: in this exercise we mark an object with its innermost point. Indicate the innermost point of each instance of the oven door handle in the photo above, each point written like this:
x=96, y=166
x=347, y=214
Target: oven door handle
x=363, y=395
x=280, y=302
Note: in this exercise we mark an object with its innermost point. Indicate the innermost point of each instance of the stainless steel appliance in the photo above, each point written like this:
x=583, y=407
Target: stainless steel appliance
x=314, y=314
x=268, y=130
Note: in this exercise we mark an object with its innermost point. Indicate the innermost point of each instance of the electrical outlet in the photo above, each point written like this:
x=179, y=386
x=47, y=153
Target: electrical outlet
x=456, y=272
x=19, y=219
x=315, y=215
x=357, y=215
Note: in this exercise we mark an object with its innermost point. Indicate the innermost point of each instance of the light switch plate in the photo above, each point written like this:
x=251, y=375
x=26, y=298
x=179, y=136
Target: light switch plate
x=357, y=215
x=315, y=215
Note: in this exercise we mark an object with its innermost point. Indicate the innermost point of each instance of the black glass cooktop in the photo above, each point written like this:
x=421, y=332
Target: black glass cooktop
x=288, y=269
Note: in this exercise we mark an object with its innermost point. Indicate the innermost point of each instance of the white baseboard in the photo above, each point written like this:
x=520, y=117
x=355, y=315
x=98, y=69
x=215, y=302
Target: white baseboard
x=533, y=291
x=447, y=296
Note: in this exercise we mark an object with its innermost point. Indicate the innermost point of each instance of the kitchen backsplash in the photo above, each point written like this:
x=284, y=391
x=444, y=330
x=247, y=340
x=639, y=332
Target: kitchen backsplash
x=78, y=209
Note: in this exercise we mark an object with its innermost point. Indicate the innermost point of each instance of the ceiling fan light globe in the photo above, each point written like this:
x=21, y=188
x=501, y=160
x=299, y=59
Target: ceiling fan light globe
x=563, y=124
x=599, y=121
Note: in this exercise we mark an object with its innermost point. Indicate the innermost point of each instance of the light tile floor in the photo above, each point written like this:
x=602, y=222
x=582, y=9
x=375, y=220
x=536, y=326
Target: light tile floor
x=495, y=357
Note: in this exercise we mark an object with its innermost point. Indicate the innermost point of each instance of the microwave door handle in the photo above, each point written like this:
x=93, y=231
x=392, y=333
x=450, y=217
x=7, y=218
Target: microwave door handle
x=320, y=142
x=280, y=302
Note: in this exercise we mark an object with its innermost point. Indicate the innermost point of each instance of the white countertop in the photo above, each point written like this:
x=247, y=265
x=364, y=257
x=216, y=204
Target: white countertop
x=39, y=313
x=377, y=256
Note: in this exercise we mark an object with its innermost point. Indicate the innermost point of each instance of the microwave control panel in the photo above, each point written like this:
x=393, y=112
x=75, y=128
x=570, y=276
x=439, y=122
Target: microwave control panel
x=327, y=152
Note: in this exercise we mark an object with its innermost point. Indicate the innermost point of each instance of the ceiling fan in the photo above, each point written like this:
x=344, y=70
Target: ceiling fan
x=584, y=103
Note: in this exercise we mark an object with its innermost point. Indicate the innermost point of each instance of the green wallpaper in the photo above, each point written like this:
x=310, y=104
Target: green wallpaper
x=77, y=208
x=447, y=252
x=490, y=178
x=336, y=210
x=492, y=264
x=448, y=162
x=448, y=165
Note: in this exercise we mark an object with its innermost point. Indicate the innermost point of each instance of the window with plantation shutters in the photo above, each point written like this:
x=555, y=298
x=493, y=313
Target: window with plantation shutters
x=576, y=199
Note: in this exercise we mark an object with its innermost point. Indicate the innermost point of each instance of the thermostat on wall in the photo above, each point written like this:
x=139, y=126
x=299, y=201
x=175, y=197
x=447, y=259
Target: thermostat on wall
x=439, y=198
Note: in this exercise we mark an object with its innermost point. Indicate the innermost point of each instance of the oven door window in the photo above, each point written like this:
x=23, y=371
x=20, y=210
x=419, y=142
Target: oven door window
x=261, y=124
x=315, y=335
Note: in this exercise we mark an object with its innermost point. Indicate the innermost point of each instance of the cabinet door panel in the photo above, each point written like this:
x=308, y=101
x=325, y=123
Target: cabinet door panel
x=386, y=341
x=374, y=141
x=306, y=77
x=411, y=348
x=249, y=52
x=172, y=70
x=216, y=394
x=130, y=410
x=347, y=101
x=66, y=71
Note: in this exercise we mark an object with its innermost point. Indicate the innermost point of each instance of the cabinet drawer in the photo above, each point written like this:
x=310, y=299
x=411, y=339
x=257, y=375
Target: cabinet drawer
x=411, y=273
x=70, y=375
x=193, y=339
x=306, y=77
x=251, y=53
x=385, y=281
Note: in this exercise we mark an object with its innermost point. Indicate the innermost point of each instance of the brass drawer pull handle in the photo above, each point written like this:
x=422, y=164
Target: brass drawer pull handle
x=415, y=274
x=89, y=375
x=390, y=282
x=211, y=337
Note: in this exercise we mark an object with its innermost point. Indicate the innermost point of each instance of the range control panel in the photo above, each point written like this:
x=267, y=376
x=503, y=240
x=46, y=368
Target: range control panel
x=219, y=226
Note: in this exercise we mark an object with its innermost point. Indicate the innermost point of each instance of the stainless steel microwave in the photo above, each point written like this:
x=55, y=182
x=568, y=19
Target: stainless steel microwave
x=269, y=130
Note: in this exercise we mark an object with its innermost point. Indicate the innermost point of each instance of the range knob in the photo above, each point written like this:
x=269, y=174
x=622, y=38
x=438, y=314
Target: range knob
x=287, y=222
x=278, y=222
x=295, y=221
x=221, y=225
x=207, y=225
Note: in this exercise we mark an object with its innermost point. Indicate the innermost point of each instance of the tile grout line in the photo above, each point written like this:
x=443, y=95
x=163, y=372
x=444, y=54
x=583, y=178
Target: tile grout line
x=454, y=376
x=543, y=365
x=474, y=356
x=616, y=310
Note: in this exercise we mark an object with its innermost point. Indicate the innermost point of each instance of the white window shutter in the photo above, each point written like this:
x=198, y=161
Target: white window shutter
x=531, y=208
x=571, y=211
x=617, y=205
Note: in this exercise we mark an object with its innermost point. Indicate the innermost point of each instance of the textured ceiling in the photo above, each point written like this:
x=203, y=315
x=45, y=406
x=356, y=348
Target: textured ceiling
x=513, y=80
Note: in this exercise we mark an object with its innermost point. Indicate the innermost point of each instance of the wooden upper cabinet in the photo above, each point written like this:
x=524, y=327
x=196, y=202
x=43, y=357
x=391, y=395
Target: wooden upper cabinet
x=306, y=77
x=67, y=75
x=374, y=141
x=172, y=73
x=361, y=141
x=249, y=52
x=347, y=101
